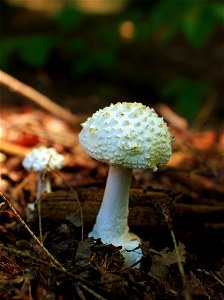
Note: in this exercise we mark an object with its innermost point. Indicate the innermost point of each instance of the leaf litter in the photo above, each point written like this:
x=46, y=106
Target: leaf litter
x=191, y=188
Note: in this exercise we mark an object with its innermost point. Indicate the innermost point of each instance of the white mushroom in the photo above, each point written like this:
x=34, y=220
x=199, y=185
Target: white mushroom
x=43, y=160
x=126, y=136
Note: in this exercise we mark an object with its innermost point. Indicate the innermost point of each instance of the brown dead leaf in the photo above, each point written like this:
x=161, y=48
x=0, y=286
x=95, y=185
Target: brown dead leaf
x=75, y=219
x=196, y=286
x=112, y=281
x=8, y=265
x=162, y=263
x=107, y=256
x=83, y=253
x=18, y=287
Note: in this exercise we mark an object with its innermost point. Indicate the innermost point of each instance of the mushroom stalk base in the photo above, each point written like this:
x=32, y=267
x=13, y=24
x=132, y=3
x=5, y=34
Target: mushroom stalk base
x=112, y=221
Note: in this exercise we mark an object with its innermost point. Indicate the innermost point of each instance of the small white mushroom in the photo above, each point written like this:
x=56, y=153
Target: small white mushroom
x=126, y=136
x=43, y=160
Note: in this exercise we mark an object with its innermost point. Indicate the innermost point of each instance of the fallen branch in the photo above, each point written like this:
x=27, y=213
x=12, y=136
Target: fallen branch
x=35, y=96
x=196, y=182
x=13, y=149
x=145, y=206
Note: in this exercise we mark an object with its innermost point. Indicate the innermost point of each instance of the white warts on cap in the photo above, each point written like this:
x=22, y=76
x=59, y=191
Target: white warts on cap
x=127, y=134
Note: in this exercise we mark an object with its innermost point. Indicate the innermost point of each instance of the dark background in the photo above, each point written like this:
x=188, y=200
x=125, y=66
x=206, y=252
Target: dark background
x=85, y=54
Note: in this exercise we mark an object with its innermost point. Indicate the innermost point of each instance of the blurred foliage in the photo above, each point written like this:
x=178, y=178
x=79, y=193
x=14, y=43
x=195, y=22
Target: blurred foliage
x=195, y=20
x=90, y=44
x=187, y=94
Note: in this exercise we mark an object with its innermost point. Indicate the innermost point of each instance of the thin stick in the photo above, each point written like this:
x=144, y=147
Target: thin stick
x=26, y=254
x=186, y=291
x=79, y=204
x=35, y=96
x=211, y=275
x=53, y=259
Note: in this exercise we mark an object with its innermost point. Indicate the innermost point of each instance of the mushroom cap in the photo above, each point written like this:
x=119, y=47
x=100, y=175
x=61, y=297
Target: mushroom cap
x=43, y=159
x=127, y=134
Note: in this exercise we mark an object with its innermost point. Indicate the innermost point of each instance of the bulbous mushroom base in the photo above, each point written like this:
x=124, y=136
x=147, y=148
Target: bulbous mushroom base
x=130, y=244
x=132, y=252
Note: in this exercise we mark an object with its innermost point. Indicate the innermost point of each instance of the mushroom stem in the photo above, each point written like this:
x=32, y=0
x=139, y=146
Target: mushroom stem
x=43, y=184
x=47, y=183
x=112, y=220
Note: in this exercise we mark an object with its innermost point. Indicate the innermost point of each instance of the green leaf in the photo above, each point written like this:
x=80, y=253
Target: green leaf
x=104, y=60
x=35, y=50
x=107, y=35
x=195, y=19
x=82, y=66
x=78, y=45
x=199, y=23
x=188, y=95
x=7, y=48
x=68, y=18
x=165, y=17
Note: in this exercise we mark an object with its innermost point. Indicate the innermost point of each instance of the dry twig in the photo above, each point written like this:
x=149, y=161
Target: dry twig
x=13, y=149
x=186, y=290
x=35, y=96
x=52, y=258
x=78, y=202
x=211, y=275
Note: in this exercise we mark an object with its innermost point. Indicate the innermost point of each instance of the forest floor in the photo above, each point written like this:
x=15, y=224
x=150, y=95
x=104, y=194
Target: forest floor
x=177, y=212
